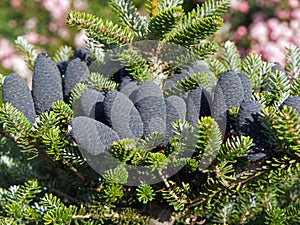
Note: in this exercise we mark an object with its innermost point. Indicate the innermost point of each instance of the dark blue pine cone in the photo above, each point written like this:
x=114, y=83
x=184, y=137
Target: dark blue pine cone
x=277, y=66
x=294, y=102
x=151, y=105
x=247, y=121
x=76, y=72
x=192, y=115
x=46, y=83
x=176, y=110
x=201, y=100
x=248, y=124
x=90, y=104
x=62, y=66
x=92, y=137
x=229, y=92
x=16, y=92
x=129, y=87
x=83, y=54
x=247, y=85
x=122, y=116
x=231, y=88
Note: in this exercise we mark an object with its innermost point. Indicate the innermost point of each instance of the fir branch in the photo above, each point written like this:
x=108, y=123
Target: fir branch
x=151, y=141
x=204, y=50
x=164, y=22
x=99, y=30
x=123, y=150
x=207, y=81
x=119, y=175
x=167, y=4
x=286, y=124
x=78, y=89
x=23, y=194
x=96, y=48
x=175, y=195
x=100, y=82
x=194, y=32
x=230, y=56
x=211, y=8
x=279, y=85
x=63, y=111
x=64, y=53
x=136, y=65
x=145, y=193
x=73, y=156
x=209, y=140
x=217, y=67
x=292, y=61
x=185, y=84
x=256, y=68
x=28, y=50
x=16, y=124
x=129, y=16
x=295, y=87
x=234, y=148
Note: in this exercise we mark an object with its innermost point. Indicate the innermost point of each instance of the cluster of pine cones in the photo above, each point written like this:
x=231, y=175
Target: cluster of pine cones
x=134, y=110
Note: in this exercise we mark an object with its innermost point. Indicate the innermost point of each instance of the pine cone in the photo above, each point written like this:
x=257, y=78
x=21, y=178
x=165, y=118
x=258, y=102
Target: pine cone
x=76, y=72
x=46, y=83
x=151, y=105
x=176, y=110
x=16, y=92
x=122, y=116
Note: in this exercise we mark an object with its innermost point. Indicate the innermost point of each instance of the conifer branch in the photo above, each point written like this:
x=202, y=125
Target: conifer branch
x=129, y=16
x=100, y=30
x=28, y=50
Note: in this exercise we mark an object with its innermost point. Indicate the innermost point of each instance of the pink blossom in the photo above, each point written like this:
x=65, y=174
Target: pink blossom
x=282, y=14
x=240, y=32
x=57, y=8
x=32, y=38
x=79, y=5
x=272, y=52
x=15, y=3
x=6, y=49
x=259, y=31
x=293, y=3
x=243, y=7
x=273, y=23
x=31, y=23
x=258, y=16
x=240, y=6
x=295, y=14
